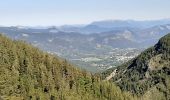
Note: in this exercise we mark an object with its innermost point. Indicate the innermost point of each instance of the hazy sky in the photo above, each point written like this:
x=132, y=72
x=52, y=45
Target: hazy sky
x=59, y=12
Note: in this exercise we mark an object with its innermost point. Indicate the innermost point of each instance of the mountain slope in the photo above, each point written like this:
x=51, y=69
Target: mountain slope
x=26, y=73
x=147, y=73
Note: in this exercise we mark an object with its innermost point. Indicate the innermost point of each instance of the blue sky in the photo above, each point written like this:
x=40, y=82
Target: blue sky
x=59, y=12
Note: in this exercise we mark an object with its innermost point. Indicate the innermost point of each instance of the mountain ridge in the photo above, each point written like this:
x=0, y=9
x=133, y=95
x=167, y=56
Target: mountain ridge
x=150, y=70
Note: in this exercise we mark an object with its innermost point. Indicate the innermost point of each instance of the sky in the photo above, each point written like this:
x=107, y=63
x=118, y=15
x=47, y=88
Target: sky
x=61, y=12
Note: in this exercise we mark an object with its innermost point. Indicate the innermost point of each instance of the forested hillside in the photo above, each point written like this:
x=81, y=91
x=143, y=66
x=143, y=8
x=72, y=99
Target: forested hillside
x=147, y=75
x=30, y=74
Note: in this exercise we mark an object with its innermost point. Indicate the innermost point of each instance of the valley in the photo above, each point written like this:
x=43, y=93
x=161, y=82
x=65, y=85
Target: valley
x=105, y=60
x=95, y=51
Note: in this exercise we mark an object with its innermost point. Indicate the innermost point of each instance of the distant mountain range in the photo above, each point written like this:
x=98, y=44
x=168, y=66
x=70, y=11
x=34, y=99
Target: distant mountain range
x=86, y=41
x=109, y=25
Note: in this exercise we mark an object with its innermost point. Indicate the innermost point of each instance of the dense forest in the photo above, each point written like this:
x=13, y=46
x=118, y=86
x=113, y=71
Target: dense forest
x=147, y=75
x=27, y=73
